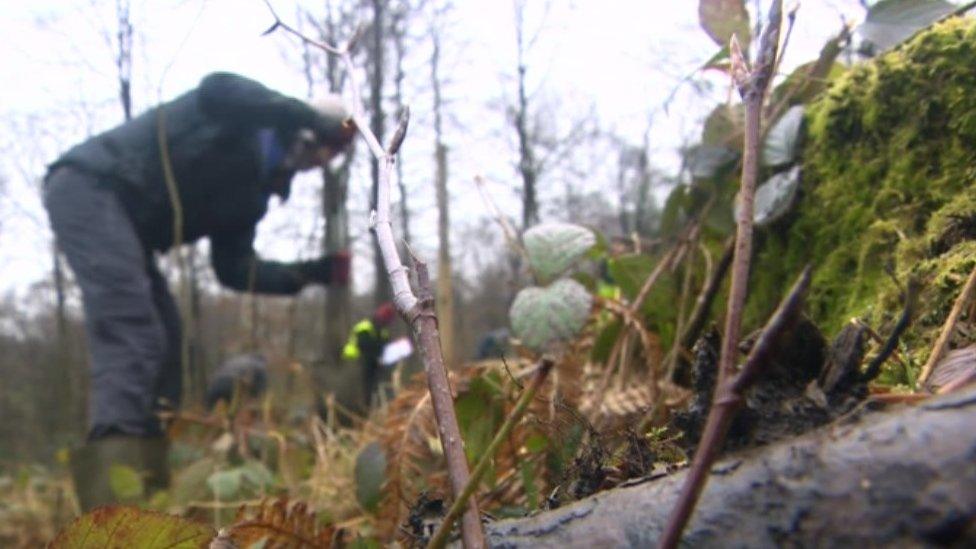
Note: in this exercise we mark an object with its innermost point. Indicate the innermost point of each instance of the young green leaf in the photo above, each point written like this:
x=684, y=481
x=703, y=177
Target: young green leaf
x=544, y=317
x=554, y=247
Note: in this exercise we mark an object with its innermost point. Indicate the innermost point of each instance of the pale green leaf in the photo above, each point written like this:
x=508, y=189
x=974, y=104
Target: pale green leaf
x=544, y=317
x=555, y=247
x=370, y=474
x=225, y=485
x=723, y=18
x=782, y=141
x=774, y=197
x=707, y=161
x=891, y=22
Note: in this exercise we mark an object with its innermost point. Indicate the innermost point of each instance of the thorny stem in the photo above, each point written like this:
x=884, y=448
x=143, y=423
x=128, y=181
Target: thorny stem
x=439, y=539
x=752, y=83
x=728, y=397
x=419, y=313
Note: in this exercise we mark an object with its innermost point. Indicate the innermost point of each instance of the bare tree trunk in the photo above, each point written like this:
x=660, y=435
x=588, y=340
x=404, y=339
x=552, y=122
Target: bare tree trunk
x=338, y=299
x=398, y=31
x=123, y=60
x=643, y=188
x=527, y=166
x=382, y=293
x=445, y=286
x=335, y=180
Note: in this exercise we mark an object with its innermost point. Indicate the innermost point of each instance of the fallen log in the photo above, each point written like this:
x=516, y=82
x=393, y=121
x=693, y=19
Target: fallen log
x=905, y=477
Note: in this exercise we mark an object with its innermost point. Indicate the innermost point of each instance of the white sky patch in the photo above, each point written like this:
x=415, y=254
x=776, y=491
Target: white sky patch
x=621, y=58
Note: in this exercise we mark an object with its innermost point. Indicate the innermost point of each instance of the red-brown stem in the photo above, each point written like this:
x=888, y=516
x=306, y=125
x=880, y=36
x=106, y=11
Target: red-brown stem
x=727, y=400
x=752, y=84
x=424, y=323
x=743, y=240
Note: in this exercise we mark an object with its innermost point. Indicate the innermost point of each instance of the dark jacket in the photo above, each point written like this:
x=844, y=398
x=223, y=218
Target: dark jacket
x=212, y=140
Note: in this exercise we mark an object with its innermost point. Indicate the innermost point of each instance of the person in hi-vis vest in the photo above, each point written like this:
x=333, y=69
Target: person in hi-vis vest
x=366, y=342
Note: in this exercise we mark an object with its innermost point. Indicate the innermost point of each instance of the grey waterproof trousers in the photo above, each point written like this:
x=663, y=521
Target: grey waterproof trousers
x=132, y=322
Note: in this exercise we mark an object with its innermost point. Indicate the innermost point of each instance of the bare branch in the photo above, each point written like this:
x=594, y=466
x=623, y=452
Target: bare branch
x=418, y=312
x=439, y=539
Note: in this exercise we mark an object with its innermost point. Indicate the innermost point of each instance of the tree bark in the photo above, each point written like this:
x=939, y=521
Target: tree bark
x=398, y=30
x=445, y=286
x=527, y=165
x=383, y=292
x=905, y=478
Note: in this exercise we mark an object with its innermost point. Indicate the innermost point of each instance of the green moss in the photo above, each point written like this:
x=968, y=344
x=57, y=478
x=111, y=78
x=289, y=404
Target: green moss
x=889, y=184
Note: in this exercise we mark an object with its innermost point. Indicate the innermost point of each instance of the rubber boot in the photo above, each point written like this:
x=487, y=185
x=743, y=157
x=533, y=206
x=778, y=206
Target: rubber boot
x=102, y=470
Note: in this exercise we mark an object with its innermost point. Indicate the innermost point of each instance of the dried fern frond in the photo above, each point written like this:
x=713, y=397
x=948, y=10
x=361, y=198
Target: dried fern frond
x=276, y=524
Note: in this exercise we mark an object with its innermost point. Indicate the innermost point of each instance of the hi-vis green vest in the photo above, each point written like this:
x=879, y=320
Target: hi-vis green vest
x=351, y=350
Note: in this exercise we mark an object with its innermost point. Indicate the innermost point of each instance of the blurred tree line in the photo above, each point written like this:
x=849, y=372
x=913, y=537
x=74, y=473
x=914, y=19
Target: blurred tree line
x=408, y=51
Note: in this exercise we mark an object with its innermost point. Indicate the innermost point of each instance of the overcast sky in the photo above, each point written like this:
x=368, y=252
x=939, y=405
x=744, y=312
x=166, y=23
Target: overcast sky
x=620, y=58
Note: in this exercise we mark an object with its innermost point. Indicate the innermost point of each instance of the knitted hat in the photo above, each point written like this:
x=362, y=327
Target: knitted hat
x=336, y=127
x=385, y=313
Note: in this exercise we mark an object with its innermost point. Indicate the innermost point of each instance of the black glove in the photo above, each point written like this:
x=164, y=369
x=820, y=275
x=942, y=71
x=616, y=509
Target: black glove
x=333, y=269
x=316, y=271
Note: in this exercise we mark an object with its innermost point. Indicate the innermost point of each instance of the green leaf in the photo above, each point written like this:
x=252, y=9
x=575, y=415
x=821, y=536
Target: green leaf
x=604, y=341
x=720, y=61
x=890, y=22
x=708, y=161
x=370, y=475
x=536, y=442
x=629, y=272
x=480, y=411
x=225, y=485
x=257, y=475
x=809, y=79
x=544, y=317
x=125, y=482
x=723, y=18
x=775, y=197
x=555, y=247
x=723, y=127
x=117, y=526
x=782, y=141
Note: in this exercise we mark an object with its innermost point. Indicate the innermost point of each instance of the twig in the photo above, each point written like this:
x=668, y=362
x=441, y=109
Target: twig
x=419, y=313
x=876, y=337
x=752, y=84
x=942, y=343
x=439, y=539
x=428, y=341
x=891, y=344
x=729, y=396
x=703, y=306
x=511, y=236
x=670, y=259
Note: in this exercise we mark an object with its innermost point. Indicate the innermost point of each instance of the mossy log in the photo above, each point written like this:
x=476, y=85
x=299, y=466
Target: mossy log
x=902, y=478
x=889, y=186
